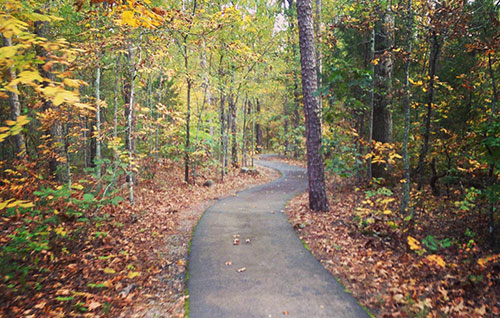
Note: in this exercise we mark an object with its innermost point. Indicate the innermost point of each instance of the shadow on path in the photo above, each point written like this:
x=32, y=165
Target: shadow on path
x=280, y=278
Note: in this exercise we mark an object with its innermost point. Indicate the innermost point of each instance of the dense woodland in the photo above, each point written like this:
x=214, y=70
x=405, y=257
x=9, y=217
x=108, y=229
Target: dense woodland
x=393, y=103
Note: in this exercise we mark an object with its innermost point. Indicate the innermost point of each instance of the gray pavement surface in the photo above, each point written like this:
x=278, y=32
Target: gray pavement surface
x=269, y=273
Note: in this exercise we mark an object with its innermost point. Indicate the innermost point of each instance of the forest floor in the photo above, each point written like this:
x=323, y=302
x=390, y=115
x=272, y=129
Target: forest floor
x=388, y=275
x=132, y=261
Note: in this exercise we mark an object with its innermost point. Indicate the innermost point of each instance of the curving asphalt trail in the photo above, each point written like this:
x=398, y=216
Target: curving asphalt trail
x=281, y=278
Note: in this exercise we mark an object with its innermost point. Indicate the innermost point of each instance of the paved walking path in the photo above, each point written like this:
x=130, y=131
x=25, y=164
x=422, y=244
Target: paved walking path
x=278, y=277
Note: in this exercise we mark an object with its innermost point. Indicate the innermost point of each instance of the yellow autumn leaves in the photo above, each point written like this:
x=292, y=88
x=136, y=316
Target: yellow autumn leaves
x=431, y=259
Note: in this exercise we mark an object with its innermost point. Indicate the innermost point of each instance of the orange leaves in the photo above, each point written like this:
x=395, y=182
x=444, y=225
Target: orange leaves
x=414, y=243
x=435, y=260
x=11, y=203
x=13, y=127
x=159, y=11
x=135, y=14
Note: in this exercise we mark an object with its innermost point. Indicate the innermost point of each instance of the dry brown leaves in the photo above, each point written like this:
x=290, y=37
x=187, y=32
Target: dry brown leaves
x=384, y=274
x=132, y=263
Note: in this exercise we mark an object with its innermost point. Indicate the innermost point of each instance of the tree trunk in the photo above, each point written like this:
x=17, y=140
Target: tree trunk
x=157, y=125
x=130, y=123
x=246, y=104
x=98, y=156
x=258, y=130
x=285, y=125
x=115, y=102
x=198, y=125
x=188, y=113
x=318, y=200
x=252, y=109
x=15, y=109
x=369, y=174
x=234, y=130
x=382, y=115
x=433, y=58
x=56, y=140
x=319, y=63
x=405, y=200
x=296, y=117
x=492, y=165
x=223, y=142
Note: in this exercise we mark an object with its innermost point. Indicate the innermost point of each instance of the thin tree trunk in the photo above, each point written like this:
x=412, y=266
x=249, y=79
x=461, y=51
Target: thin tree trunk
x=434, y=54
x=253, y=133
x=296, y=119
x=382, y=115
x=56, y=140
x=492, y=165
x=318, y=200
x=188, y=114
x=228, y=130
x=15, y=109
x=258, y=130
x=405, y=200
x=98, y=155
x=370, y=110
x=285, y=125
x=157, y=125
x=198, y=126
x=149, y=99
x=115, y=101
x=223, y=135
x=130, y=123
x=234, y=130
x=244, y=141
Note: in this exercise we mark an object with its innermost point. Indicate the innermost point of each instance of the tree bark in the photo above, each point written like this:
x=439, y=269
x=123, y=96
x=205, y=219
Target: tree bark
x=492, y=165
x=433, y=58
x=98, y=156
x=56, y=140
x=115, y=101
x=319, y=63
x=285, y=125
x=188, y=113
x=370, y=109
x=130, y=123
x=318, y=200
x=296, y=117
x=223, y=141
x=382, y=114
x=405, y=200
x=15, y=109
x=252, y=115
x=258, y=130
x=246, y=106
x=234, y=130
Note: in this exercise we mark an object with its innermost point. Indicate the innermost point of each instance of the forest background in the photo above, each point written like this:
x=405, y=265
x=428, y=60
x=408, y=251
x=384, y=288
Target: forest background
x=101, y=96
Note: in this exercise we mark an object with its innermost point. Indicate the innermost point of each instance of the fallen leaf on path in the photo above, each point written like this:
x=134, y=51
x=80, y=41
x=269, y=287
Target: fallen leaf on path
x=40, y=305
x=132, y=275
x=94, y=305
